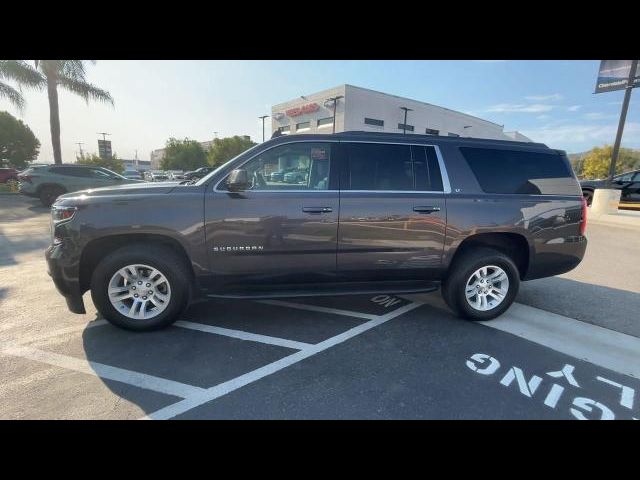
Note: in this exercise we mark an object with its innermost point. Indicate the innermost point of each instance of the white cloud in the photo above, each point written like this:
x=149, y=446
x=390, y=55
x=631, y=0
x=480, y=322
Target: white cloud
x=519, y=108
x=584, y=134
x=574, y=108
x=543, y=117
x=544, y=98
x=598, y=116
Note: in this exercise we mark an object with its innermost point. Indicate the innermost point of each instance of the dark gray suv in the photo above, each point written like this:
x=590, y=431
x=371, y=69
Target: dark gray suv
x=375, y=213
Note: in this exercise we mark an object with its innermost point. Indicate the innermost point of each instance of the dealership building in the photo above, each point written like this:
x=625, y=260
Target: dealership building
x=362, y=109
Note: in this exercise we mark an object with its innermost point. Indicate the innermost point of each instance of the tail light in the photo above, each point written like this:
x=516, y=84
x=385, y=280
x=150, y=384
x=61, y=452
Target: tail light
x=583, y=221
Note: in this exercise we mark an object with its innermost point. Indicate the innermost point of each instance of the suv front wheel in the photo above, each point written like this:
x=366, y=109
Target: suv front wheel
x=141, y=287
x=482, y=284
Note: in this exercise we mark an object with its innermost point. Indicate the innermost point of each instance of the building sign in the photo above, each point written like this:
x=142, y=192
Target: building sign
x=297, y=111
x=614, y=74
x=104, y=148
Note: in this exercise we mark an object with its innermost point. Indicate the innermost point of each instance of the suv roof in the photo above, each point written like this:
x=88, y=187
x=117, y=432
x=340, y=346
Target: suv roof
x=409, y=138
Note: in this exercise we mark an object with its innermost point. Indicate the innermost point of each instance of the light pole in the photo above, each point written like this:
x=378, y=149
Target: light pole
x=404, y=125
x=335, y=104
x=262, y=118
x=467, y=126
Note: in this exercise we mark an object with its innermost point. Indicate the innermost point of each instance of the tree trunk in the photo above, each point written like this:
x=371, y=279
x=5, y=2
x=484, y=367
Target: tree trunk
x=54, y=120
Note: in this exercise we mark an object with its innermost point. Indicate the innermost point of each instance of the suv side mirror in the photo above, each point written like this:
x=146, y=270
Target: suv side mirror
x=238, y=180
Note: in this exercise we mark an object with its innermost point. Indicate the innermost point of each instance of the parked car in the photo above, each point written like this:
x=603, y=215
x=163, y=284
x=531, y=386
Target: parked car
x=380, y=212
x=628, y=182
x=198, y=173
x=295, y=176
x=132, y=174
x=278, y=175
x=8, y=174
x=159, y=176
x=175, y=175
x=47, y=182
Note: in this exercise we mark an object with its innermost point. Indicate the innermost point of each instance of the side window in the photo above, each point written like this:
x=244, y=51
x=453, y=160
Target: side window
x=426, y=169
x=520, y=171
x=95, y=173
x=625, y=177
x=68, y=171
x=374, y=166
x=294, y=166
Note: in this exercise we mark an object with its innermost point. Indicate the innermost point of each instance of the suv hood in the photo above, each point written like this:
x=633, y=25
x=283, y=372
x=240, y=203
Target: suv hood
x=126, y=189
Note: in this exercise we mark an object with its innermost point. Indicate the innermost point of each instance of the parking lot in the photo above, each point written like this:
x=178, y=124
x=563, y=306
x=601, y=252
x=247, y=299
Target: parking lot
x=569, y=348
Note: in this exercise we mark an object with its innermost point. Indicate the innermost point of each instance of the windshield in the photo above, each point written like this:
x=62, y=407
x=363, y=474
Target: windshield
x=207, y=177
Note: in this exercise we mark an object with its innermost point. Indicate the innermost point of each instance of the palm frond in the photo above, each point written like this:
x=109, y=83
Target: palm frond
x=22, y=73
x=85, y=90
x=11, y=94
x=72, y=69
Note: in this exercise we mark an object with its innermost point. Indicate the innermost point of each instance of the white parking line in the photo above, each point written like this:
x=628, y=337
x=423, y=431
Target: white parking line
x=239, y=334
x=148, y=382
x=603, y=347
x=315, y=308
x=227, y=387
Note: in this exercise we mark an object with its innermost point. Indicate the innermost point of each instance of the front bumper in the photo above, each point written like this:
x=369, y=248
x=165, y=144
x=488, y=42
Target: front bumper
x=65, y=277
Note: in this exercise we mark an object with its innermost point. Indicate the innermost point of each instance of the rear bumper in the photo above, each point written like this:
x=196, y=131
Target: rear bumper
x=65, y=277
x=556, y=258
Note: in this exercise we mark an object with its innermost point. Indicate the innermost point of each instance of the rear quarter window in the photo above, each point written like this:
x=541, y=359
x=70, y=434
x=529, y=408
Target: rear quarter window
x=521, y=172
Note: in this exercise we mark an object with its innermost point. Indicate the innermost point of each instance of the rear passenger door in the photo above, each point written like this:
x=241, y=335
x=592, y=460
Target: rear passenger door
x=392, y=212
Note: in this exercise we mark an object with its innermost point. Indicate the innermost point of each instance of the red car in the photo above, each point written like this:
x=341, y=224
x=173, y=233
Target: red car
x=7, y=174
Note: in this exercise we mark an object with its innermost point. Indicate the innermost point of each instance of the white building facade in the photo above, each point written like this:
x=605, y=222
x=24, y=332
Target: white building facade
x=368, y=110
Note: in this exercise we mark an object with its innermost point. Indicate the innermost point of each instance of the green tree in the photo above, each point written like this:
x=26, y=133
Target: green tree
x=183, y=155
x=597, y=161
x=19, y=72
x=114, y=163
x=18, y=144
x=68, y=74
x=224, y=149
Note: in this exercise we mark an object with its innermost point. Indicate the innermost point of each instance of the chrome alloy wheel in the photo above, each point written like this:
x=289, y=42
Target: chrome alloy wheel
x=139, y=292
x=486, y=288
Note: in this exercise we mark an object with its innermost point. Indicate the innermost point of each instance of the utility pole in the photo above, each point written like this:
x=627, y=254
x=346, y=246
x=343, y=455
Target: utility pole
x=262, y=118
x=404, y=125
x=335, y=105
x=80, y=146
x=623, y=118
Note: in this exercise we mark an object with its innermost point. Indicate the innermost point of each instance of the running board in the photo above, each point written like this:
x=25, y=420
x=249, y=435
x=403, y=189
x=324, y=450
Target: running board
x=333, y=291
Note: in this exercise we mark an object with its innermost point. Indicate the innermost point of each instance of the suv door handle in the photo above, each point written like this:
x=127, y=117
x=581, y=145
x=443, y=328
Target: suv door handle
x=317, y=209
x=426, y=209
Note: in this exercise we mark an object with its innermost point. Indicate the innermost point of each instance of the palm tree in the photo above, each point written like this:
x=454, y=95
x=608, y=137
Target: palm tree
x=68, y=74
x=22, y=74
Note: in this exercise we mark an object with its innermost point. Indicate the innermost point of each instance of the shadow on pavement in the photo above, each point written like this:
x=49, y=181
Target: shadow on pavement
x=607, y=307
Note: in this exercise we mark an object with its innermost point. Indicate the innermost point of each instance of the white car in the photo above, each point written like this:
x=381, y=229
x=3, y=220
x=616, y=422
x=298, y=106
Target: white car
x=132, y=174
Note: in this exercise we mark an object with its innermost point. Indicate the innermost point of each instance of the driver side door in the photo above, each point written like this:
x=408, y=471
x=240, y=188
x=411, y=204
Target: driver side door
x=276, y=231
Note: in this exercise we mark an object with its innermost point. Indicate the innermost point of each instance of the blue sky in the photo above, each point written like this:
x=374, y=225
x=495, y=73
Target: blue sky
x=549, y=101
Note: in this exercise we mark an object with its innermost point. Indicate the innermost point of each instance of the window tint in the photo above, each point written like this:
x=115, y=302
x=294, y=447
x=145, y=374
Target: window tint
x=69, y=171
x=325, y=121
x=625, y=177
x=295, y=166
x=379, y=167
x=511, y=171
x=426, y=169
x=303, y=126
x=431, y=131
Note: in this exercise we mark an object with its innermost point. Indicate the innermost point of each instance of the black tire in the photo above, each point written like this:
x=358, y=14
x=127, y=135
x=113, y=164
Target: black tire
x=161, y=258
x=588, y=196
x=49, y=194
x=453, y=288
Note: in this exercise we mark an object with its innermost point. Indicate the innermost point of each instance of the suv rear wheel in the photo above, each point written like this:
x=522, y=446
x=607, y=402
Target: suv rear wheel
x=49, y=194
x=141, y=288
x=482, y=284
